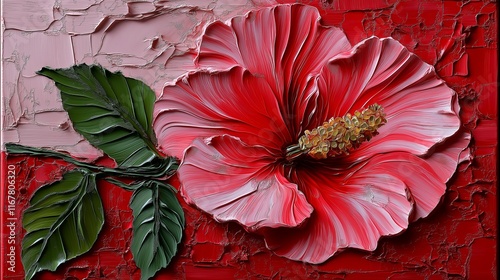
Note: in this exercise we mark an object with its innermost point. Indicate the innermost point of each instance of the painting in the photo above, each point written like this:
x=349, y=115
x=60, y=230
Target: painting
x=249, y=139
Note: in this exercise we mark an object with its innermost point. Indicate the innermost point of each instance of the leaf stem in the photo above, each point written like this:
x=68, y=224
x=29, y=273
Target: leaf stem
x=164, y=167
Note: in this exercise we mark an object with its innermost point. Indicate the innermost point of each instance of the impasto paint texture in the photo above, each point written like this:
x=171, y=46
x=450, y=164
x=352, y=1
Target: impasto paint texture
x=158, y=42
x=231, y=128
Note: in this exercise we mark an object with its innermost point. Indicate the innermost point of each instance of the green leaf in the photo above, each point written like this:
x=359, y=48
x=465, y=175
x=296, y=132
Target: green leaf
x=113, y=112
x=157, y=227
x=62, y=222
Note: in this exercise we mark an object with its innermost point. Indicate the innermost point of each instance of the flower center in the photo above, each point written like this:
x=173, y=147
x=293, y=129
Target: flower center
x=339, y=135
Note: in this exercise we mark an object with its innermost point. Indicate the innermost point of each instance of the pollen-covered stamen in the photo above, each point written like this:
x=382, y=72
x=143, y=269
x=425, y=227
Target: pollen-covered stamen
x=339, y=135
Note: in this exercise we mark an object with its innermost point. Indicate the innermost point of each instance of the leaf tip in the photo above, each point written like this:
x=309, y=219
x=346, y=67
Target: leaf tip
x=43, y=70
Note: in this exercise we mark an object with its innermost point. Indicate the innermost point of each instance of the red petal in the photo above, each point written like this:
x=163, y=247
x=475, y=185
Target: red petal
x=349, y=212
x=208, y=104
x=427, y=178
x=352, y=208
x=235, y=182
x=285, y=44
x=419, y=106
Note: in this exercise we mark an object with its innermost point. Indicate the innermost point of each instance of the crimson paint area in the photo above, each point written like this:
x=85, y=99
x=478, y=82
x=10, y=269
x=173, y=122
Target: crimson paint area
x=458, y=240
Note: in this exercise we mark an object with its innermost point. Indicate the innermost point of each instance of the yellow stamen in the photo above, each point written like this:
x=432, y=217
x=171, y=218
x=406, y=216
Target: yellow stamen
x=339, y=135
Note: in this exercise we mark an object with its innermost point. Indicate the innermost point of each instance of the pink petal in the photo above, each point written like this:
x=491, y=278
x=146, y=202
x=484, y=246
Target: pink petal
x=236, y=182
x=285, y=44
x=208, y=104
x=219, y=48
x=352, y=208
x=419, y=106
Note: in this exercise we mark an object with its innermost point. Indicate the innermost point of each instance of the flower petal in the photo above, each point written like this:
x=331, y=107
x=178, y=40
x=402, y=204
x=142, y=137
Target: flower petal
x=351, y=209
x=426, y=178
x=419, y=106
x=208, y=104
x=285, y=44
x=235, y=182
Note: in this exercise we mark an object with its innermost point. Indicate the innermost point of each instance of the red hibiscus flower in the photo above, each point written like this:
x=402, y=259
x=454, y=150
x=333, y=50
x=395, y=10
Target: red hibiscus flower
x=273, y=133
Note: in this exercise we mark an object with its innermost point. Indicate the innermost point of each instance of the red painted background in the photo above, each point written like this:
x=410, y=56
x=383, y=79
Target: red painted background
x=457, y=241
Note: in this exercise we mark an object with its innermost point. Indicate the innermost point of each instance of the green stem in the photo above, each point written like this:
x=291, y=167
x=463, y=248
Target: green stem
x=294, y=151
x=162, y=167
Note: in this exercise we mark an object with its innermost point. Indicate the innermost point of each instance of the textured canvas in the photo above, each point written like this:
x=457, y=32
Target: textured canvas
x=250, y=96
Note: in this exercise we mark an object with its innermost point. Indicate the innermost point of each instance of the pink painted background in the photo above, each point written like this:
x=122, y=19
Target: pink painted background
x=156, y=42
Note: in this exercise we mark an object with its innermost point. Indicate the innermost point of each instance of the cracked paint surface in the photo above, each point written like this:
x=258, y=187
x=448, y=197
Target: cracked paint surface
x=155, y=41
